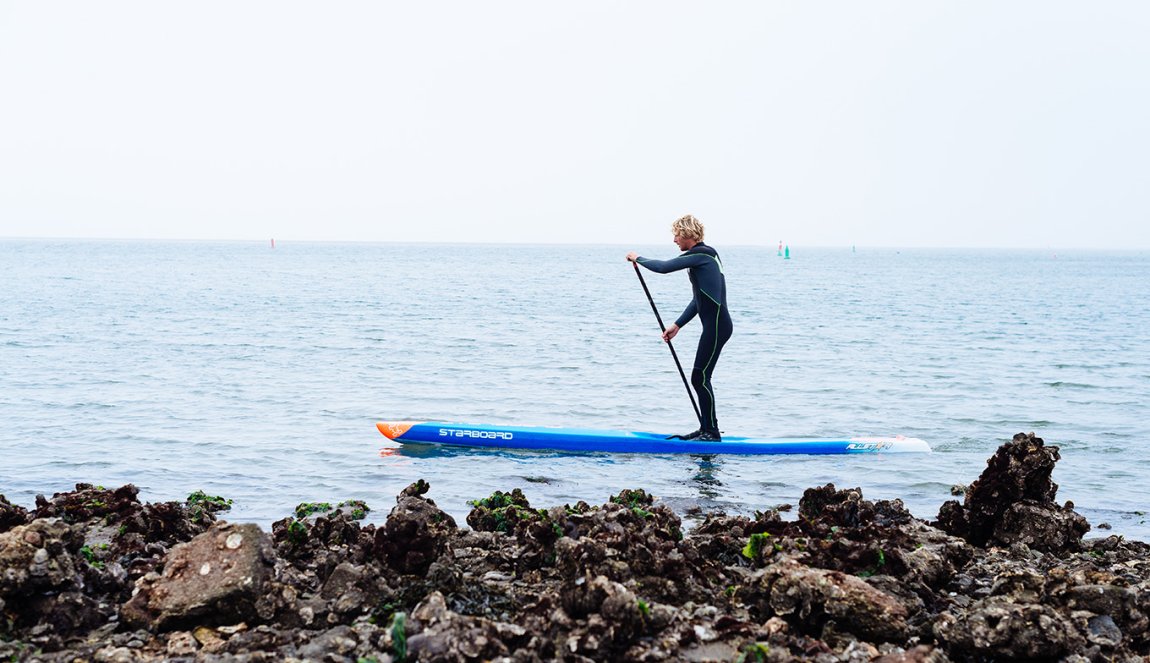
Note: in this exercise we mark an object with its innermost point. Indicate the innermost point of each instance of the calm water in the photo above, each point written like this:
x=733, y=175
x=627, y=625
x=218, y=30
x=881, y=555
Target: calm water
x=258, y=374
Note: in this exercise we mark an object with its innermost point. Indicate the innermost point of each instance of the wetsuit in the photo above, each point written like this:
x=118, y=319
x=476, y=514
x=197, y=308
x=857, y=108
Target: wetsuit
x=709, y=302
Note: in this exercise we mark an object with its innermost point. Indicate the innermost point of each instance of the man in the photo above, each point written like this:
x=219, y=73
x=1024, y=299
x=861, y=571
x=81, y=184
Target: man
x=709, y=302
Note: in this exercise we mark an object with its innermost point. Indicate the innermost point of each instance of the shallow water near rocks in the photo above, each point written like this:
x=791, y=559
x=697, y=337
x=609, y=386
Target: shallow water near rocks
x=258, y=374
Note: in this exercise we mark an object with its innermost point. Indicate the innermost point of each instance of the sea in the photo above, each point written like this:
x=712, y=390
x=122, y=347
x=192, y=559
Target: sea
x=257, y=372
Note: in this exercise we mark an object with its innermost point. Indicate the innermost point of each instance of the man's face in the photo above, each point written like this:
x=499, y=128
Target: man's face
x=682, y=242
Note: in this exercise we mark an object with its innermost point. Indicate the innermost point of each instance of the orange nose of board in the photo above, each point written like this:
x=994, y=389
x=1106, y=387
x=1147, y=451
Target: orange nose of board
x=393, y=429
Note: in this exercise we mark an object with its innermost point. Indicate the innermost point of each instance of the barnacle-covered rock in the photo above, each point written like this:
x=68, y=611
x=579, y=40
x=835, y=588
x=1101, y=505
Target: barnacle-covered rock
x=1013, y=501
x=416, y=532
x=218, y=577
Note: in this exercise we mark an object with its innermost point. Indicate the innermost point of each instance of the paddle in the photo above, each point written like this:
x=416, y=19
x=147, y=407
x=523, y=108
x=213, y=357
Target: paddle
x=678, y=365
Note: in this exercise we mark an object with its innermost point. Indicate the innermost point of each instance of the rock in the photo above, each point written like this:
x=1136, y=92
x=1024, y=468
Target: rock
x=344, y=578
x=38, y=557
x=443, y=635
x=618, y=606
x=339, y=641
x=115, y=655
x=209, y=639
x=216, y=578
x=416, y=532
x=1101, y=599
x=1102, y=631
x=536, y=530
x=182, y=643
x=11, y=515
x=999, y=628
x=810, y=598
x=501, y=512
x=1013, y=501
x=934, y=558
x=839, y=507
x=711, y=651
x=69, y=613
x=1126, y=607
x=1045, y=527
x=916, y=654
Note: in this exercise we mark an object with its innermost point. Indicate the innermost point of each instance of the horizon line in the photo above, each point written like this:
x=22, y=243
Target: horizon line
x=774, y=245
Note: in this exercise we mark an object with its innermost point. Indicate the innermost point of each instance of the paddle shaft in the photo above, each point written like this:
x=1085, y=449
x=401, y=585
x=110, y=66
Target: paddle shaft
x=691, y=394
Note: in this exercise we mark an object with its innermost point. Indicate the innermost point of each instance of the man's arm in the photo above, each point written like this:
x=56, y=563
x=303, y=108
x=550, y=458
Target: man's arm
x=688, y=314
x=673, y=265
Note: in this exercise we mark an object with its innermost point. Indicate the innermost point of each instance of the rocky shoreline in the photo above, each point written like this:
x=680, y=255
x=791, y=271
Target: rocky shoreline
x=96, y=575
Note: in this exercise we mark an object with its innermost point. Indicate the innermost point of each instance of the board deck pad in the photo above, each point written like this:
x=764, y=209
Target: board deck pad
x=585, y=439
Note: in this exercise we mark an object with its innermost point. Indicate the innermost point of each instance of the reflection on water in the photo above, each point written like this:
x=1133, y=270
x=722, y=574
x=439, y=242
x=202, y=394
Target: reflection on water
x=706, y=478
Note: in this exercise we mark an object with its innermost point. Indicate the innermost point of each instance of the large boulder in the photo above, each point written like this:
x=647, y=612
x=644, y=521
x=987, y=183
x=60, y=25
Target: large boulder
x=216, y=578
x=1013, y=502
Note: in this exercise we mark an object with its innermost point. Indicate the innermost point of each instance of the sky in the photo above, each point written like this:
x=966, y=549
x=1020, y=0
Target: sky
x=909, y=123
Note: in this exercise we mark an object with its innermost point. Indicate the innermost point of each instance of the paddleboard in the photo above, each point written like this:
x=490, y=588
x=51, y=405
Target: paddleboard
x=581, y=439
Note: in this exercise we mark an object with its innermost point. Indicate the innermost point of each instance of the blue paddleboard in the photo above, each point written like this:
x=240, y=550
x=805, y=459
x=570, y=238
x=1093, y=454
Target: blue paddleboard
x=581, y=439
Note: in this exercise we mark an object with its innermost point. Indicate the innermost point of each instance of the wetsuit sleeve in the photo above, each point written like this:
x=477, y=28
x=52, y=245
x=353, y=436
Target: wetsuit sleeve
x=689, y=314
x=674, y=264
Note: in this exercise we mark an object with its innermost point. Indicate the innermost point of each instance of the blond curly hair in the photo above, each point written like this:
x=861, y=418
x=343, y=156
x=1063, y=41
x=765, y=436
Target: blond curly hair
x=688, y=227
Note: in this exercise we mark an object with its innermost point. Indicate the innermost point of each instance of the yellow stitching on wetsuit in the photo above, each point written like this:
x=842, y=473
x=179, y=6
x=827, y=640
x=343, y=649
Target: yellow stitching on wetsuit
x=706, y=377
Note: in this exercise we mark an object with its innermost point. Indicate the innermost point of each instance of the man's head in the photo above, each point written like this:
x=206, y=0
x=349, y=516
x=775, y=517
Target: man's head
x=688, y=231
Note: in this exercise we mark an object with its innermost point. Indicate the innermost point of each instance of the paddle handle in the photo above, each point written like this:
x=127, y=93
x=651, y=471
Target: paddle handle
x=690, y=394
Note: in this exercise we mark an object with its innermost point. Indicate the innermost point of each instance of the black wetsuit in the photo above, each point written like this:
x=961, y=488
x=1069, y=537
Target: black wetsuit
x=710, y=304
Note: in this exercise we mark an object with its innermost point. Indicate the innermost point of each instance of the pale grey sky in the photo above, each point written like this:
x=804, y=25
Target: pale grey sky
x=899, y=123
